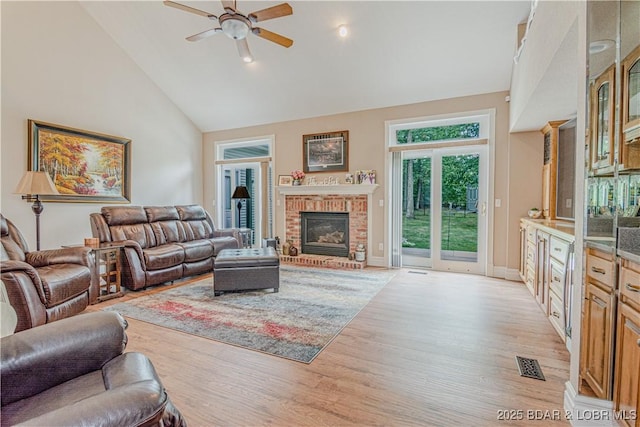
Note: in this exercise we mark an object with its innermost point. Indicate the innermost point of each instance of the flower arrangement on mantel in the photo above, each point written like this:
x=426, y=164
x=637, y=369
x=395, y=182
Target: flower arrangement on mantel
x=297, y=176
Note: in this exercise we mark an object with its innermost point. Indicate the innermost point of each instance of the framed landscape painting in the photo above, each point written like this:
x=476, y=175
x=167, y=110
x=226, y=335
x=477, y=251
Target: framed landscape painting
x=84, y=166
x=326, y=152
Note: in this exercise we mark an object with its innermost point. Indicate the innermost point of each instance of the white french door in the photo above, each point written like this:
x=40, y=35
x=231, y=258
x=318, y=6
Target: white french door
x=444, y=209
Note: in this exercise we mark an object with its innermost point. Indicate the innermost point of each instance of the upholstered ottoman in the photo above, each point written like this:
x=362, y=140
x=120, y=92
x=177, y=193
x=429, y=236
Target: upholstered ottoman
x=246, y=269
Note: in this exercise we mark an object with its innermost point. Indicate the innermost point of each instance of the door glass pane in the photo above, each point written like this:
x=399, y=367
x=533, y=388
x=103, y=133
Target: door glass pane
x=460, y=179
x=416, y=207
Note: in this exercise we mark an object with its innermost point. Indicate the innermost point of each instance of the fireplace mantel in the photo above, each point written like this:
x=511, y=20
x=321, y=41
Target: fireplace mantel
x=328, y=189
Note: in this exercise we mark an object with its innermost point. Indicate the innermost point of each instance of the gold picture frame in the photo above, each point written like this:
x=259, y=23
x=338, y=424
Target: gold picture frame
x=84, y=166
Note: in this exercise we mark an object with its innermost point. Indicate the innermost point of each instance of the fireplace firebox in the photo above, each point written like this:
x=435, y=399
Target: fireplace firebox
x=325, y=233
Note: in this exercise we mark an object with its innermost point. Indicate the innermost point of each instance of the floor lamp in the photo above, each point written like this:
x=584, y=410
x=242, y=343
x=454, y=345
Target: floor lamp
x=240, y=192
x=32, y=185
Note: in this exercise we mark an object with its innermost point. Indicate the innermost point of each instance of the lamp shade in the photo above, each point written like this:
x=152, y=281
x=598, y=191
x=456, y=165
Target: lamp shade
x=34, y=182
x=241, y=192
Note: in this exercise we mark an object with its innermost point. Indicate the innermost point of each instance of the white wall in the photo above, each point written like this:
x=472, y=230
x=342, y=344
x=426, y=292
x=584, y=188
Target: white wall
x=59, y=66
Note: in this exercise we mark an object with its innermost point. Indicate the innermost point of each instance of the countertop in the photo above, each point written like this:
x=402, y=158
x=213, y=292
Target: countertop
x=564, y=229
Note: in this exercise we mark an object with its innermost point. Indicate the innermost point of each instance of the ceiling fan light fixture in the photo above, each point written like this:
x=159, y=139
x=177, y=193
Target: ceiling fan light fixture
x=235, y=27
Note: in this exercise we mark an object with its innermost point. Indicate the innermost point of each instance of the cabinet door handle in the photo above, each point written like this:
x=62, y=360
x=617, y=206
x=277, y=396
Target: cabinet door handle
x=557, y=249
x=598, y=270
x=556, y=314
x=632, y=288
x=556, y=279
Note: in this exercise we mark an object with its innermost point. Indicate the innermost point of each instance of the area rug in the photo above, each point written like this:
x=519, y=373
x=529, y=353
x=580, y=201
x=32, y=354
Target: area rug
x=311, y=308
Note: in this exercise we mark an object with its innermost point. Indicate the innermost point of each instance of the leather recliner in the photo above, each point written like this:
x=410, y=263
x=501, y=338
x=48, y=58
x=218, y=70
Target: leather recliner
x=48, y=285
x=75, y=372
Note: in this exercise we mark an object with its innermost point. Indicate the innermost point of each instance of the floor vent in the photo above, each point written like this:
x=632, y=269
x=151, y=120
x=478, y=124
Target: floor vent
x=418, y=272
x=529, y=368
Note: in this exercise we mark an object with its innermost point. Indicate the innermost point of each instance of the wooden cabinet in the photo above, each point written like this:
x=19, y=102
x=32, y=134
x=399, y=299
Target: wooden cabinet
x=627, y=366
x=528, y=255
x=559, y=291
x=630, y=104
x=598, y=322
x=631, y=96
x=602, y=98
x=545, y=265
x=542, y=270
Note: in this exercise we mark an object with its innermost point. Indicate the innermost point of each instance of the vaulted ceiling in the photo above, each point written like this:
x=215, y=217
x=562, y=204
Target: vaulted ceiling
x=396, y=53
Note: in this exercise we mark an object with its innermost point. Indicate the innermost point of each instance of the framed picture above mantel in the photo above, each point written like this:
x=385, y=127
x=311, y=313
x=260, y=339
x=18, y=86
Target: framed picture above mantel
x=325, y=152
x=84, y=166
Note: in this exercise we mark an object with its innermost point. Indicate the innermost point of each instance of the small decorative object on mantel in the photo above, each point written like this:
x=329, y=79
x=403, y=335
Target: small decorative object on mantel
x=366, y=177
x=297, y=176
x=348, y=178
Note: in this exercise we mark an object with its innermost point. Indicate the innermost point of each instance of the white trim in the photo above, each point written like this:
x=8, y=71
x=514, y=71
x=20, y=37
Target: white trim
x=376, y=261
x=584, y=411
x=512, y=274
x=488, y=116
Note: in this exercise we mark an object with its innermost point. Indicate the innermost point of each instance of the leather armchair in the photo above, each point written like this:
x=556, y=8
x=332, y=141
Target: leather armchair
x=44, y=286
x=75, y=372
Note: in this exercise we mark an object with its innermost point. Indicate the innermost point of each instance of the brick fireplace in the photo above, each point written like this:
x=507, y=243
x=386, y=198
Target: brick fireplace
x=352, y=199
x=355, y=205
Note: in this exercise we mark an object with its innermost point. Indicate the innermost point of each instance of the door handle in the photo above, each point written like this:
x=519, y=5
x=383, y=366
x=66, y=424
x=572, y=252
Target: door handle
x=484, y=208
x=632, y=288
x=598, y=270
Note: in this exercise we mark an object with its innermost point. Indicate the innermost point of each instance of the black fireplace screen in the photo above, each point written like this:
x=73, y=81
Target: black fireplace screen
x=325, y=233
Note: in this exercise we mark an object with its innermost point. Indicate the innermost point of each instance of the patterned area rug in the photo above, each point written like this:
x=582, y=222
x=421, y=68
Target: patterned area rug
x=312, y=307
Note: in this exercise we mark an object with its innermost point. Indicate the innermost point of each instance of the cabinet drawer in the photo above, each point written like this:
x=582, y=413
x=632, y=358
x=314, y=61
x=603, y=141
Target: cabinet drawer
x=630, y=285
x=556, y=313
x=558, y=248
x=531, y=234
x=557, y=278
x=602, y=270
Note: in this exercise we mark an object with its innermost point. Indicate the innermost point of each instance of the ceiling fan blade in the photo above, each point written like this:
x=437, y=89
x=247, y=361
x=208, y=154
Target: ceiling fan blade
x=243, y=50
x=190, y=9
x=271, y=12
x=204, y=34
x=229, y=6
x=273, y=37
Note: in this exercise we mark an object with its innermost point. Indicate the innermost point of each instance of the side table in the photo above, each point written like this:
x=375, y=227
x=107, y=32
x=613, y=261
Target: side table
x=247, y=237
x=106, y=269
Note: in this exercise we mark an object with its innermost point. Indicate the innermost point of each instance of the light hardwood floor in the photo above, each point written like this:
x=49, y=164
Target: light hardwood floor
x=435, y=349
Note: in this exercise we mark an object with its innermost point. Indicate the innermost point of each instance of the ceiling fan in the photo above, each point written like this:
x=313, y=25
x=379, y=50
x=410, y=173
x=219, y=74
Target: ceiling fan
x=237, y=26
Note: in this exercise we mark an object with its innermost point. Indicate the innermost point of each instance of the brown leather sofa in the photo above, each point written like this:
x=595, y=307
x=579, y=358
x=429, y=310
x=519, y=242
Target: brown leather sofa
x=75, y=372
x=44, y=286
x=162, y=243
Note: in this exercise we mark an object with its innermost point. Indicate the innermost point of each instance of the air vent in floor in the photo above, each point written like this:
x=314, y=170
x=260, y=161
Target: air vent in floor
x=529, y=368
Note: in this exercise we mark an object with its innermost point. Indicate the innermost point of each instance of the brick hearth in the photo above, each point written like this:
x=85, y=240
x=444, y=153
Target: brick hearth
x=324, y=261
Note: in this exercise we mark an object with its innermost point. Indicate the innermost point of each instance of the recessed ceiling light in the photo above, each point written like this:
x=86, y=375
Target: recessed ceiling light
x=247, y=59
x=343, y=31
x=600, y=46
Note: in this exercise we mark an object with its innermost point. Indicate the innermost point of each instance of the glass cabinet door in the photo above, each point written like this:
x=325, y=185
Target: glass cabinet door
x=631, y=96
x=603, y=120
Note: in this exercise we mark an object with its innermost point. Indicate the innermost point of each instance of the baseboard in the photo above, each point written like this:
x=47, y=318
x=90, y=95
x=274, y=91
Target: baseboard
x=513, y=275
x=584, y=411
x=377, y=262
x=497, y=272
